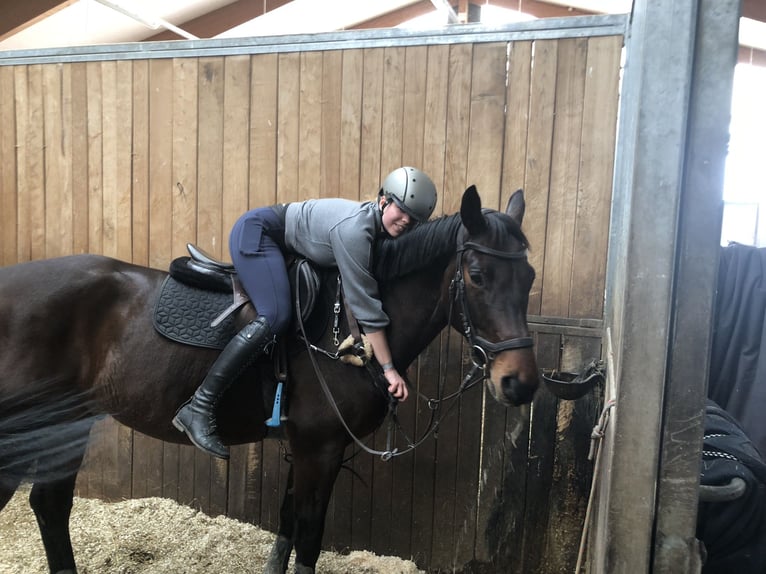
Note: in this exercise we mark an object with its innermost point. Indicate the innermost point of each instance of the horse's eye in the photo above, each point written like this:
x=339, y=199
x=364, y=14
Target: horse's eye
x=476, y=277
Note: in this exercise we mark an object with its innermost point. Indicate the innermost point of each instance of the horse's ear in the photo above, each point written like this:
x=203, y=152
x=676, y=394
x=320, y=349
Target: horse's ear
x=515, y=207
x=470, y=211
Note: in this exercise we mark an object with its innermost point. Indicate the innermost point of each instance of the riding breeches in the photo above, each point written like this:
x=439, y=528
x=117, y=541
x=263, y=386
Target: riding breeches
x=255, y=245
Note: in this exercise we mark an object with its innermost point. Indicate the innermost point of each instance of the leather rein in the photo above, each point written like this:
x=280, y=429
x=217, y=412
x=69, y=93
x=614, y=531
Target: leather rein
x=482, y=355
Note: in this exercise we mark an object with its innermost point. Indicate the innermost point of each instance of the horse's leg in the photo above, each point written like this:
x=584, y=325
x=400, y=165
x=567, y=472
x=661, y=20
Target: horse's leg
x=313, y=480
x=283, y=545
x=52, y=503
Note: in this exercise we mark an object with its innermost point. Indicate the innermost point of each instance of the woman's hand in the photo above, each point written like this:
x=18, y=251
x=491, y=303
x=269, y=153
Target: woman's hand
x=396, y=385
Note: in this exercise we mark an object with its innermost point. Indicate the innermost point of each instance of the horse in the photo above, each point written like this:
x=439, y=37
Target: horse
x=77, y=342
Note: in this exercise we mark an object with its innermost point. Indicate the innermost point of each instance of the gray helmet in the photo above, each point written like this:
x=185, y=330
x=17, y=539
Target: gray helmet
x=412, y=191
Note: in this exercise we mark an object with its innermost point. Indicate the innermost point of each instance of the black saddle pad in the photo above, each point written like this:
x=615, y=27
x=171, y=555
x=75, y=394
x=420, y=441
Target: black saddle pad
x=184, y=313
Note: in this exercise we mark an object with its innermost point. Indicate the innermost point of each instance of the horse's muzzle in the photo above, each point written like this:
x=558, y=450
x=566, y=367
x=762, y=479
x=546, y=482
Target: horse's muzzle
x=516, y=392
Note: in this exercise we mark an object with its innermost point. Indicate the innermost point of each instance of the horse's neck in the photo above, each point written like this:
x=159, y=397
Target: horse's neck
x=418, y=306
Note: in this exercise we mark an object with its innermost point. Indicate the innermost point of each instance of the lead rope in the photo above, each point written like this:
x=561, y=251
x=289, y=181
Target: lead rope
x=595, y=451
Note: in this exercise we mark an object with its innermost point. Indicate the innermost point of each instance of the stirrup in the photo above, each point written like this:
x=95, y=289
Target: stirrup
x=276, y=412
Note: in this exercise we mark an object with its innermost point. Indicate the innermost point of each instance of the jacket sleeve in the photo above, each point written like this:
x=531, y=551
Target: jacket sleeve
x=352, y=246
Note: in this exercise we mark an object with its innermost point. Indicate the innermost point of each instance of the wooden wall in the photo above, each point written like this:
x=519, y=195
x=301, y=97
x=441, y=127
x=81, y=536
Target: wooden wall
x=135, y=158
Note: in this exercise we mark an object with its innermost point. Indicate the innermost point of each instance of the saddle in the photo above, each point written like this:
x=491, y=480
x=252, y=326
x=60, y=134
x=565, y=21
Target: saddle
x=199, y=299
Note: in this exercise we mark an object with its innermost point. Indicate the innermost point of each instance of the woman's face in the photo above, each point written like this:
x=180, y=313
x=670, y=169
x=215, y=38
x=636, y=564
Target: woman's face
x=395, y=221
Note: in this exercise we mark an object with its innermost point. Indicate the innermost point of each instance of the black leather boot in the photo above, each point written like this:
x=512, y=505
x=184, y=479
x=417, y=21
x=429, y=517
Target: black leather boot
x=197, y=417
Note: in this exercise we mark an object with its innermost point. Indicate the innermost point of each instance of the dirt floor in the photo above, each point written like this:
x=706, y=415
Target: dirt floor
x=158, y=536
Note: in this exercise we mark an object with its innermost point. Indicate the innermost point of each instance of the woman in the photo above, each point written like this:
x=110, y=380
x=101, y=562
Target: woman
x=330, y=232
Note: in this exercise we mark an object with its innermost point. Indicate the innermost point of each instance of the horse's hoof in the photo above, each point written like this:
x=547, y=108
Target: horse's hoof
x=301, y=569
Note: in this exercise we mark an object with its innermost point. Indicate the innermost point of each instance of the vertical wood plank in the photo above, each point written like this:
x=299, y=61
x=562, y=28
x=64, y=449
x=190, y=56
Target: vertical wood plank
x=8, y=175
x=456, y=152
x=310, y=125
x=437, y=89
x=160, y=161
x=21, y=121
x=236, y=134
x=123, y=166
x=516, y=119
x=595, y=183
x=414, y=89
x=288, y=134
x=210, y=233
x=562, y=196
x=34, y=157
x=95, y=153
x=184, y=165
x=263, y=130
x=331, y=125
x=538, y=159
x=487, y=111
x=350, y=124
x=57, y=144
x=372, y=121
x=140, y=165
x=392, y=128
x=109, y=181
x=80, y=158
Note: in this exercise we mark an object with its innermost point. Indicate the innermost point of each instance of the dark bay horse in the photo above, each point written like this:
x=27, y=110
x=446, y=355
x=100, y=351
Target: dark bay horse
x=76, y=342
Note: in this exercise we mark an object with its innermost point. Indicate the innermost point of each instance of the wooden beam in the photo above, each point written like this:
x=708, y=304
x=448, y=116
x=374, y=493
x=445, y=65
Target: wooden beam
x=396, y=17
x=19, y=15
x=751, y=56
x=754, y=9
x=539, y=9
x=225, y=18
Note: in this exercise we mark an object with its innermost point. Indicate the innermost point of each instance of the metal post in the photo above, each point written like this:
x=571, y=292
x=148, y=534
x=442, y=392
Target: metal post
x=661, y=282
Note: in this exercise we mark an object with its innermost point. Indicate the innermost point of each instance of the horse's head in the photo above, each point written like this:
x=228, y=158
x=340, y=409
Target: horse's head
x=493, y=280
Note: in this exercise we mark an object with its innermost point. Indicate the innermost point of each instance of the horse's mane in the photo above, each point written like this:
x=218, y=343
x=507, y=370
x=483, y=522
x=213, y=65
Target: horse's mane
x=432, y=242
x=425, y=244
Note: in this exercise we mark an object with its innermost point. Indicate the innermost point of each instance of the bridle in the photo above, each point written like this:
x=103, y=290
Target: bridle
x=483, y=352
x=482, y=355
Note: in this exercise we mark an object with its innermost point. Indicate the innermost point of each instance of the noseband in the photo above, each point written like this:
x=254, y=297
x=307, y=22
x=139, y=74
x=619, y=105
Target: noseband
x=483, y=352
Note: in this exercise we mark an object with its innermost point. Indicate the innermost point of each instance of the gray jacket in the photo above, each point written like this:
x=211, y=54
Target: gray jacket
x=340, y=233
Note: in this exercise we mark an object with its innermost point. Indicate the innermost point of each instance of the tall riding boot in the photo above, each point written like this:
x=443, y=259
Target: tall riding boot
x=197, y=417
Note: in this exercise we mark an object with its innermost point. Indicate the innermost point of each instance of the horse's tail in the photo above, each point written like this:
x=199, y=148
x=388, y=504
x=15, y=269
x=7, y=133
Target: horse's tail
x=43, y=431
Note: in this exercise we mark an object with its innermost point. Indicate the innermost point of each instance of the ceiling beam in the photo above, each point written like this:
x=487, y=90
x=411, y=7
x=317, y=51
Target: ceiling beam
x=19, y=15
x=218, y=21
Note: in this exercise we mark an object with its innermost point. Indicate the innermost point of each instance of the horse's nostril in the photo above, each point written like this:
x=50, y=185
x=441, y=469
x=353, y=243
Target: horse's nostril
x=517, y=392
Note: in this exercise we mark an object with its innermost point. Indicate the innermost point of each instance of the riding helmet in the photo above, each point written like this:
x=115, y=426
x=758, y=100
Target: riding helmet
x=412, y=191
